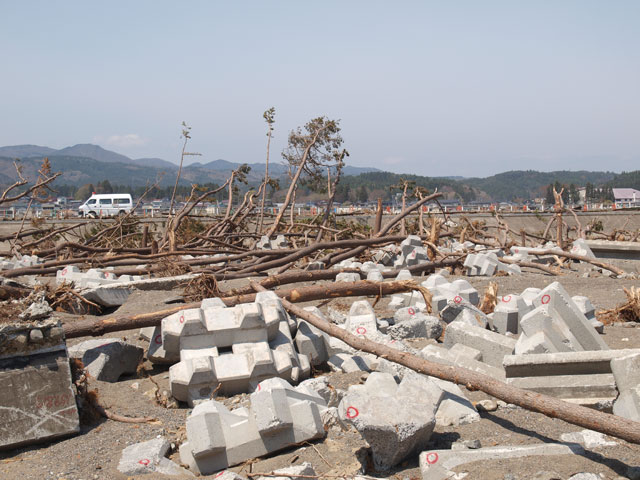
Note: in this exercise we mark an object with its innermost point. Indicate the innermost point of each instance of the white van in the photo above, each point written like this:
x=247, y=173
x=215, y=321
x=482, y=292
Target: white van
x=105, y=205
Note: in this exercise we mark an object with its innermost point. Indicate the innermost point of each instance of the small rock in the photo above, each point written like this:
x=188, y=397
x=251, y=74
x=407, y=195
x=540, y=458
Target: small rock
x=585, y=476
x=466, y=445
x=487, y=405
x=35, y=336
x=588, y=438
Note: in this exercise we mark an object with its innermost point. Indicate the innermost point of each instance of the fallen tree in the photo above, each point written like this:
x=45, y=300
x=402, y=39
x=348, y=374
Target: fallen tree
x=118, y=323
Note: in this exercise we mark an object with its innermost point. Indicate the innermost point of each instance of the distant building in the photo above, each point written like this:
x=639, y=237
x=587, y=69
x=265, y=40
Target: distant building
x=626, y=197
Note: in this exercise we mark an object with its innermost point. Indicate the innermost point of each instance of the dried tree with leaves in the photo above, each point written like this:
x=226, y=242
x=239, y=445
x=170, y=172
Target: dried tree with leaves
x=309, y=151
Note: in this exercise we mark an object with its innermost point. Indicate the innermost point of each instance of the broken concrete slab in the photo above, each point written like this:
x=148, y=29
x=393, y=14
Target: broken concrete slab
x=438, y=464
x=587, y=438
x=107, y=359
x=455, y=409
x=420, y=326
x=395, y=420
x=571, y=363
x=38, y=401
x=441, y=355
x=276, y=418
x=296, y=472
x=149, y=457
x=493, y=346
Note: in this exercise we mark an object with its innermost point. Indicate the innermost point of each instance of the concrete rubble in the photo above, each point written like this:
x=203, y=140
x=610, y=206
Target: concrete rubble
x=266, y=244
x=438, y=464
x=150, y=457
x=107, y=359
x=19, y=261
x=396, y=420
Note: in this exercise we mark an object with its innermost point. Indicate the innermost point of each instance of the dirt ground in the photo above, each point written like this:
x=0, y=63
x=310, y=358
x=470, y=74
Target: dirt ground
x=95, y=452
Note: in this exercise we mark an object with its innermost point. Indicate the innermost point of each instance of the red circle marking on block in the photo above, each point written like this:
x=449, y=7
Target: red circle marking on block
x=546, y=299
x=432, y=458
x=457, y=299
x=64, y=271
x=411, y=311
x=361, y=330
x=158, y=339
x=352, y=412
x=220, y=474
x=106, y=274
x=145, y=462
x=181, y=318
x=259, y=388
x=516, y=250
x=506, y=298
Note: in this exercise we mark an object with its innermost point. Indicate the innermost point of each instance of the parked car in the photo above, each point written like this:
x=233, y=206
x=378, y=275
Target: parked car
x=105, y=205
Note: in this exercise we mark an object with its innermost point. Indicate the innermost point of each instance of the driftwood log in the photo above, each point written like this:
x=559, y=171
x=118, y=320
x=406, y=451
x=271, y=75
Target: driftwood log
x=82, y=328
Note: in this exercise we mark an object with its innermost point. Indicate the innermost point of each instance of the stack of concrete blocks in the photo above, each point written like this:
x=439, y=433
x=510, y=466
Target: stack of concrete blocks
x=458, y=293
x=487, y=264
x=21, y=261
x=278, y=416
x=229, y=349
x=556, y=324
x=626, y=371
x=492, y=346
x=396, y=420
x=266, y=244
x=37, y=399
x=588, y=378
x=411, y=252
x=94, y=277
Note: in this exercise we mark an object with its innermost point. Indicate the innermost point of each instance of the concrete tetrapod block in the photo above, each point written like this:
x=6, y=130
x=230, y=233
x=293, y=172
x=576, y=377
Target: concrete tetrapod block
x=311, y=341
x=395, y=422
x=107, y=359
x=508, y=312
x=557, y=298
x=361, y=319
x=438, y=464
x=557, y=335
x=156, y=352
x=277, y=417
x=493, y=346
x=347, y=277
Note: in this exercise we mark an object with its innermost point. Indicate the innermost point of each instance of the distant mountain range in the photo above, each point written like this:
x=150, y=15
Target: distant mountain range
x=87, y=163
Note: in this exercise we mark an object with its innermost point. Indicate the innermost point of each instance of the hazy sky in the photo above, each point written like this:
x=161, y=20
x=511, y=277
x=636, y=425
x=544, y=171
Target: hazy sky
x=434, y=88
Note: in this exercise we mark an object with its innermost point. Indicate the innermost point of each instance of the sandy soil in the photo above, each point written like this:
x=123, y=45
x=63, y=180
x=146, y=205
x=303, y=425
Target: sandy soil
x=94, y=454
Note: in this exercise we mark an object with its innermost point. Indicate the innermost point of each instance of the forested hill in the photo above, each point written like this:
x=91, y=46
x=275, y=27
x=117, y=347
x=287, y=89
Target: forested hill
x=526, y=184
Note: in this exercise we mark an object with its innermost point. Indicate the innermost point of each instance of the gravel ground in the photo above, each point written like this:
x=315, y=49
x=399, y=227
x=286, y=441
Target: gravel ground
x=94, y=454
